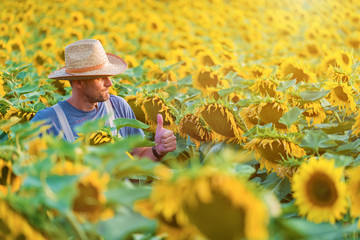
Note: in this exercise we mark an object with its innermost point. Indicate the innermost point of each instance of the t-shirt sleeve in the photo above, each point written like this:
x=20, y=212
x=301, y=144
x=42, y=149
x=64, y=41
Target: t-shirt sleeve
x=49, y=116
x=123, y=110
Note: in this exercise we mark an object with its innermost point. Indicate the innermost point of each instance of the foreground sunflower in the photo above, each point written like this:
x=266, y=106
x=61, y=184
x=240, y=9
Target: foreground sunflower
x=221, y=206
x=15, y=226
x=319, y=192
x=223, y=121
x=272, y=149
x=195, y=127
x=353, y=188
x=8, y=179
x=299, y=71
x=89, y=203
x=135, y=102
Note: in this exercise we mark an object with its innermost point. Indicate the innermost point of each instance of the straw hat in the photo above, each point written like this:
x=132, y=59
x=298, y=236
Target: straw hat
x=86, y=59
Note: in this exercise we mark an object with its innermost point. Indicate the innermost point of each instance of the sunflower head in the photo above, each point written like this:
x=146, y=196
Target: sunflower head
x=205, y=77
x=273, y=150
x=266, y=87
x=153, y=105
x=319, y=192
x=195, y=127
x=298, y=71
x=353, y=188
x=8, y=178
x=341, y=95
x=223, y=121
x=136, y=102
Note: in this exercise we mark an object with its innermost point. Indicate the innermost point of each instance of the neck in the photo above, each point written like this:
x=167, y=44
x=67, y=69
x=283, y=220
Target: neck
x=81, y=103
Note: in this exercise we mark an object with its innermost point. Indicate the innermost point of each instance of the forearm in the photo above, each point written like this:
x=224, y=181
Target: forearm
x=145, y=152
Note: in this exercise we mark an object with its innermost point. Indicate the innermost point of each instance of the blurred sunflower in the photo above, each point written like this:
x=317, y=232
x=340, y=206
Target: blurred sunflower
x=41, y=61
x=195, y=127
x=4, y=30
x=319, y=192
x=15, y=226
x=90, y=199
x=136, y=102
x=23, y=113
x=222, y=206
x=8, y=179
x=339, y=59
x=73, y=34
x=271, y=149
x=96, y=138
x=338, y=75
x=152, y=105
x=76, y=18
x=15, y=45
x=353, y=40
x=205, y=78
x=223, y=121
x=353, y=188
x=341, y=95
x=2, y=91
x=265, y=86
x=298, y=71
x=258, y=71
x=207, y=58
x=228, y=67
x=48, y=44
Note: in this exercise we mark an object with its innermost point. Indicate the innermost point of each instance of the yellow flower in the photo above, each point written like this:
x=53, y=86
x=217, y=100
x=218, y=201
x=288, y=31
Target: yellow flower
x=90, y=200
x=205, y=77
x=319, y=192
x=8, y=178
x=299, y=71
x=353, y=188
x=15, y=226
x=222, y=206
x=153, y=105
x=341, y=95
x=271, y=150
x=2, y=92
x=223, y=122
x=206, y=58
x=194, y=126
x=265, y=87
x=135, y=102
x=15, y=45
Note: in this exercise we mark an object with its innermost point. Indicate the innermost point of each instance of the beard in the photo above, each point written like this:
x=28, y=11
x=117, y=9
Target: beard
x=98, y=97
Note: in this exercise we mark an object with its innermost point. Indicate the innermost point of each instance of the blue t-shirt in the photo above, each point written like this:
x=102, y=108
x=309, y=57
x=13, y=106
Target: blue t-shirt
x=77, y=117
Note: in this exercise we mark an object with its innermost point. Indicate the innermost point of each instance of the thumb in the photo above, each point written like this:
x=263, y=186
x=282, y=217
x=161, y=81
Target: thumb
x=159, y=122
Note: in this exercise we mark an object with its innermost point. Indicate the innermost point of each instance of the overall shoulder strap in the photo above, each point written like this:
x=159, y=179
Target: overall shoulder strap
x=110, y=111
x=64, y=123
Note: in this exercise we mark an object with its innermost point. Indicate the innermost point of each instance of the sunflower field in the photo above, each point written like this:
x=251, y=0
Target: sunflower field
x=263, y=97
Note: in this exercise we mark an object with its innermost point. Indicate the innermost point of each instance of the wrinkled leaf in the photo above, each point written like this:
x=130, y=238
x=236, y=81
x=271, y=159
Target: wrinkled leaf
x=291, y=116
x=313, y=95
x=126, y=122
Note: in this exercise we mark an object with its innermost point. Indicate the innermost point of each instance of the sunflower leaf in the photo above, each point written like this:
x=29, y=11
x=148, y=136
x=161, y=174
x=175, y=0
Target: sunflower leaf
x=349, y=146
x=313, y=95
x=291, y=116
x=284, y=85
x=316, y=139
x=125, y=122
x=127, y=196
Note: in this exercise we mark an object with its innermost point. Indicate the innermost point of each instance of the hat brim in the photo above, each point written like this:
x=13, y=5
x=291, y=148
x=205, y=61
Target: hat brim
x=115, y=66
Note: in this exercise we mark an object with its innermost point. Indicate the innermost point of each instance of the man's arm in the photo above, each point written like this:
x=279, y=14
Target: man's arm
x=165, y=142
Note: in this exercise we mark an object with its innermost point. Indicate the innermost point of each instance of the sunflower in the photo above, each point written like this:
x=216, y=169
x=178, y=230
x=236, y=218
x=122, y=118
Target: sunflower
x=206, y=77
x=135, y=102
x=258, y=71
x=4, y=29
x=48, y=44
x=228, y=67
x=207, y=59
x=90, y=200
x=319, y=192
x=221, y=206
x=353, y=186
x=338, y=75
x=341, y=95
x=166, y=208
x=153, y=105
x=339, y=59
x=314, y=111
x=97, y=138
x=24, y=114
x=271, y=149
x=2, y=92
x=353, y=40
x=76, y=18
x=15, y=45
x=15, y=226
x=265, y=86
x=222, y=121
x=194, y=126
x=71, y=33
x=41, y=61
x=298, y=71
x=8, y=178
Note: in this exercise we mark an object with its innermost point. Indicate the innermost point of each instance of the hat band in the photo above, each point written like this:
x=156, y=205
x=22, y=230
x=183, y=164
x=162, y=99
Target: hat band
x=84, y=69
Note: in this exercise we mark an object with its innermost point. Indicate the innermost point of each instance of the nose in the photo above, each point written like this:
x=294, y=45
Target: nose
x=107, y=82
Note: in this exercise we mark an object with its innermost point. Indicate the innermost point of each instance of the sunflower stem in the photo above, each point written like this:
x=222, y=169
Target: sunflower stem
x=337, y=117
x=70, y=217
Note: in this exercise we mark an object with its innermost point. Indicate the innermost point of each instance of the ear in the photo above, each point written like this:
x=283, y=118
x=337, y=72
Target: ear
x=77, y=83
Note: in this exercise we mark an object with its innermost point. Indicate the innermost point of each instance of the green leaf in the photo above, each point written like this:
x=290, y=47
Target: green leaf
x=244, y=170
x=349, y=146
x=227, y=91
x=126, y=122
x=26, y=89
x=284, y=85
x=340, y=160
x=331, y=128
x=316, y=139
x=313, y=95
x=186, y=81
x=291, y=116
x=127, y=196
x=281, y=187
x=172, y=66
x=122, y=226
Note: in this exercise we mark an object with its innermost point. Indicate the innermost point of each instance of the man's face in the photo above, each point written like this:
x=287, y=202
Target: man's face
x=97, y=90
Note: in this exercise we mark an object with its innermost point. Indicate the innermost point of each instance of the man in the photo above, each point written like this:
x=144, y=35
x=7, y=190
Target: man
x=88, y=68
